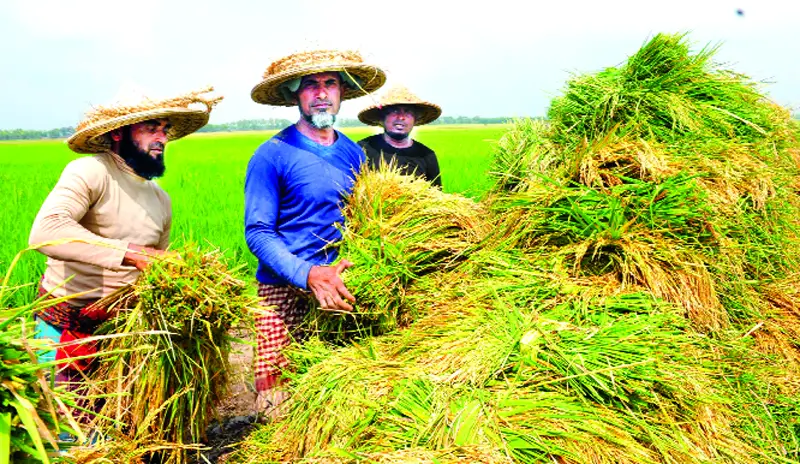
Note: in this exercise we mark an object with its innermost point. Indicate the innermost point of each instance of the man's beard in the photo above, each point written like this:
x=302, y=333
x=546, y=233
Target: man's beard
x=139, y=160
x=398, y=136
x=319, y=120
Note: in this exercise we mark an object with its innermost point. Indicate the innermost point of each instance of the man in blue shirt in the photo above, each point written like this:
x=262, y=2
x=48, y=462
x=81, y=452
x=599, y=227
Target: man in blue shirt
x=294, y=187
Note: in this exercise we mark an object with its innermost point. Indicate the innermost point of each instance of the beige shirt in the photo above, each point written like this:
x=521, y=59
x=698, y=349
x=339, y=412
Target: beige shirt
x=98, y=207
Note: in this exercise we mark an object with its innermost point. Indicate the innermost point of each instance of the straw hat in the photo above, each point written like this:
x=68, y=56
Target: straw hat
x=363, y=78
x=186, y=114
x=399, y=95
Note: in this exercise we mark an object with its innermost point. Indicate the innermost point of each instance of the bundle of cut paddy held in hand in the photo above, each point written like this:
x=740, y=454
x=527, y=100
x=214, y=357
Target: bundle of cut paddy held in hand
x=172, y=367
x=397, y=229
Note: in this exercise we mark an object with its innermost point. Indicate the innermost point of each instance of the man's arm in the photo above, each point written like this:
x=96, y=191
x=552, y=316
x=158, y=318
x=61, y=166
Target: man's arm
x=261, y=203
x=262, y=200
x=80, y=186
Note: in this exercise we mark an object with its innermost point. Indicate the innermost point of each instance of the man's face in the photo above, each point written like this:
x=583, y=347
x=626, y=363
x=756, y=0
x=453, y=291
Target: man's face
x=319, y=97
x=142, y=145
x=398, y=120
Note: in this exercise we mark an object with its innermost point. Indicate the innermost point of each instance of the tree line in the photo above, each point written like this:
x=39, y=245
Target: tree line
x=22, y=134
x=238, y=126
x=249, y=125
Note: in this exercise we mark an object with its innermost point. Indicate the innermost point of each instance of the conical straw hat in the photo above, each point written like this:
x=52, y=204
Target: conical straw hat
x=399, y=95
x=363, y=78
x=186, y=114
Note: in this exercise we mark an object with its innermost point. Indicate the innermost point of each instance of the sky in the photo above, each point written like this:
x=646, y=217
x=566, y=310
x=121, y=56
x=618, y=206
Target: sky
x=492, y=58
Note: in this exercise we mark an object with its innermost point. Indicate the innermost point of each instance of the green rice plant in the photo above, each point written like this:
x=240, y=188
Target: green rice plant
x=511, y=278
x=32, y=411
x=181, y=310
x=28, y=418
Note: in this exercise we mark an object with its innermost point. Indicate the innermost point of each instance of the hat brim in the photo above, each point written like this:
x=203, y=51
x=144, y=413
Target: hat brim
x=426, y=113
x=183, y=121
x=267, y=92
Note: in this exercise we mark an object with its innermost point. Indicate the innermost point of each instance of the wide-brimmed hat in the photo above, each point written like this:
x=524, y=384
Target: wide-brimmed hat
x=361, y=78
x=399, y=95
x=186, y=114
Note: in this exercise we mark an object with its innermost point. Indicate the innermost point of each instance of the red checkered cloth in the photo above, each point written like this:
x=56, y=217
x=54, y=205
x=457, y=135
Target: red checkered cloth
x=275, y=326
x=64, y=315
x=76, y=323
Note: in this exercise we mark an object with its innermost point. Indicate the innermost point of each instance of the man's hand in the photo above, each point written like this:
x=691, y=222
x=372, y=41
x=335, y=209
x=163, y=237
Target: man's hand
x=328, y=288
x=141, y=256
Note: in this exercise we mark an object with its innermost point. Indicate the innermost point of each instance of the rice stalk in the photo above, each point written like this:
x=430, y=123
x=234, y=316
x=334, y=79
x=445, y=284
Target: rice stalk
x=181, y=311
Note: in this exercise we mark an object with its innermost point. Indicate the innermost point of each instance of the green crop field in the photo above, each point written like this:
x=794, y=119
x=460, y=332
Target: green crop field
x=205, y=179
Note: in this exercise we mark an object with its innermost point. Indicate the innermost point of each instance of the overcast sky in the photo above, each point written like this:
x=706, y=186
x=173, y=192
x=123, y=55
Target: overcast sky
x=496, y=58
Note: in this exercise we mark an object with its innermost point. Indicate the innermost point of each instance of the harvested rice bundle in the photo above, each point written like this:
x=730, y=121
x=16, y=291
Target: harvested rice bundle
x=173, y=367
x=667, y=91
x=522, y=152
x=561, y=337
x=118, y=448
x=698, y=222
x=398, y=229
x=460, y=455
x=332, y=406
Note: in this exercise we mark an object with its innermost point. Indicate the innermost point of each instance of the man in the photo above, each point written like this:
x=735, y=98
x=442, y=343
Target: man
x=399, y=112
x=106, y=218
x=294, y=186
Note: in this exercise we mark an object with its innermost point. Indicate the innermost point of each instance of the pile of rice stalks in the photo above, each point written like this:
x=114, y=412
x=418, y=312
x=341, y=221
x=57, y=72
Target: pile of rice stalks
x=634, y=302
x=170, y=366
x=399, y=229
x=667, y=172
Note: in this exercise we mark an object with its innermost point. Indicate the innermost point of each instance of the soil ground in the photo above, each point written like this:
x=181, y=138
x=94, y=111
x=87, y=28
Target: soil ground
x=237, y=412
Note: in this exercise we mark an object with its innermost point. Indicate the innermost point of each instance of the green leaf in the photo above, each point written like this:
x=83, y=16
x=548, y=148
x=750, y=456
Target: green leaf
x=25, y=410
x=5, y=438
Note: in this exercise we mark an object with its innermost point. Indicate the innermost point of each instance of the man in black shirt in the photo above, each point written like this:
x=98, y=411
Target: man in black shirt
x=398, y=112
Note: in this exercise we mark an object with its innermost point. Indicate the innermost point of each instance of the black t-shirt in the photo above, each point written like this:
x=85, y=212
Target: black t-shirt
x=416, y=159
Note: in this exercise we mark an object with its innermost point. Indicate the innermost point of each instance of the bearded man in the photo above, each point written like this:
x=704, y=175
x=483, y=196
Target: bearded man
x=106, y=218
x=294, y=187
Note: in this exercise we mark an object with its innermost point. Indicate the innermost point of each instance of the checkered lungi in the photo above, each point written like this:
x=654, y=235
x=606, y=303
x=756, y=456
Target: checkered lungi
x=66, y=326
x=73, y=323
x=275, y=327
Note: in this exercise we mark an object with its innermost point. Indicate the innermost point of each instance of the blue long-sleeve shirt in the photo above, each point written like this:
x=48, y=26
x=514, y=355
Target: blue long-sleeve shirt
x=293, y=192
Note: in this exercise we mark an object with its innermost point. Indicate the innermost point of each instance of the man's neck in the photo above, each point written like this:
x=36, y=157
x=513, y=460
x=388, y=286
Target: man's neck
x=121, y=162
x=325, y=137
x=405, y=143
